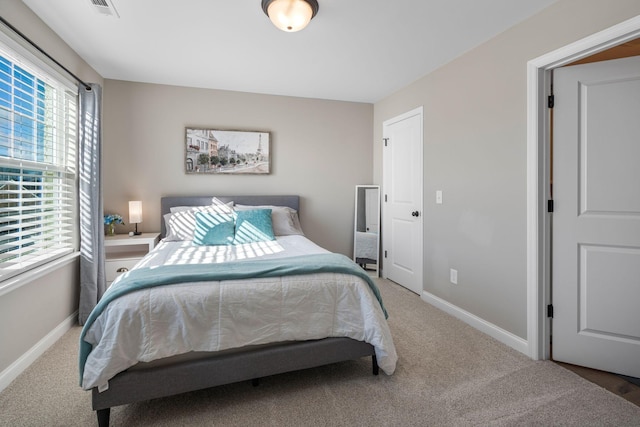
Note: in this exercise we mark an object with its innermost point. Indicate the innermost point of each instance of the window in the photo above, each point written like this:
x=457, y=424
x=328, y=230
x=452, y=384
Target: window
x=38, y=133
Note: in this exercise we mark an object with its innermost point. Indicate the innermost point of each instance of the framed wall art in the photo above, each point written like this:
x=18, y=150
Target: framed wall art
x=212, y=151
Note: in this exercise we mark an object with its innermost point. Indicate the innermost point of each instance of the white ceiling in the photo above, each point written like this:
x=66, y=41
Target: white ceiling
x=353, y=50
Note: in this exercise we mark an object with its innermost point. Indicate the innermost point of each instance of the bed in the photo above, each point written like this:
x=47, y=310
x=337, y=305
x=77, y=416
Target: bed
x=233, y=352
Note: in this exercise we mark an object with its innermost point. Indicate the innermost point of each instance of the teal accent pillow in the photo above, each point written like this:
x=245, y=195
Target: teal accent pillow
x=214, y=228
x=253, y=226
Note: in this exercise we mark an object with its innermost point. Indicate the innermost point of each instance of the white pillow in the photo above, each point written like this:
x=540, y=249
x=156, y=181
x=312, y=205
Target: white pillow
x=214, y=202
x=180, y=224
x=284, y=219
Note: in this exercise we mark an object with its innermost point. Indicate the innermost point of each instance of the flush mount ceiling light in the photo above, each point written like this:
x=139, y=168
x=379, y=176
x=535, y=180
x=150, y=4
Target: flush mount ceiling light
x=290, y=15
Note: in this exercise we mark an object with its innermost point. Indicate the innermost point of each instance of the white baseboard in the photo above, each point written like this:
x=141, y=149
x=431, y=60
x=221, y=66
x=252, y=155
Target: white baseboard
x=482, y=325
x=19, y=366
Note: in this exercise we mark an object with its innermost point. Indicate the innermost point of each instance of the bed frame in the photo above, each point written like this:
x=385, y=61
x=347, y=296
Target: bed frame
x=179, y=375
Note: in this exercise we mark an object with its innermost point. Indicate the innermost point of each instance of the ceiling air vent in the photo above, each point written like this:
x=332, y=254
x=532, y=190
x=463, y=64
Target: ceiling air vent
x=105, y=7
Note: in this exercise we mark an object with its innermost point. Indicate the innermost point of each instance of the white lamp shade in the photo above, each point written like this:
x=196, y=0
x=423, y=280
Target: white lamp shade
x=135, y=212
x=290, y=15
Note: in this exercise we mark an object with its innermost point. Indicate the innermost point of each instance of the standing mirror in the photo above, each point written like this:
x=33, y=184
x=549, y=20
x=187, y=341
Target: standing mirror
x=366, y=241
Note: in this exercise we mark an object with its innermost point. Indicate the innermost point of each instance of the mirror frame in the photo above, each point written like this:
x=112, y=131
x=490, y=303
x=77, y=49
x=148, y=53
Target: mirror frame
x=360, y=203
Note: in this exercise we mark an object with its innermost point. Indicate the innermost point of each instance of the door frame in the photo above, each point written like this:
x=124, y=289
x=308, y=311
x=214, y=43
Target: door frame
x=538, y=173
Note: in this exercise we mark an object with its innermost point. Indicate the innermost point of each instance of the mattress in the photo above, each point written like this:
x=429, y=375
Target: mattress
x=210, y=316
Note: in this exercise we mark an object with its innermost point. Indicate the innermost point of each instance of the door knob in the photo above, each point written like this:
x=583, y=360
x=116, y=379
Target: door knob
x=415, y=213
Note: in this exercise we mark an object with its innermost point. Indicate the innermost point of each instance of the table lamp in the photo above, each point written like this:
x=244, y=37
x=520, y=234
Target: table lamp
x=135, y=214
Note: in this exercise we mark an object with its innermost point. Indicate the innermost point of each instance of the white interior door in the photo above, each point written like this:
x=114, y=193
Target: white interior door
x=596, y=219
x=402, y=200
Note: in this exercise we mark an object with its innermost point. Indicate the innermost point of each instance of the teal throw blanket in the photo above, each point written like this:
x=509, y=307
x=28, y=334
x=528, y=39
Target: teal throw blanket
x=149, y=277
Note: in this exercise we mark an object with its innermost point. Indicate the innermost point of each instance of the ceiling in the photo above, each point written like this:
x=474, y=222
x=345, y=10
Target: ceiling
x=353, y=50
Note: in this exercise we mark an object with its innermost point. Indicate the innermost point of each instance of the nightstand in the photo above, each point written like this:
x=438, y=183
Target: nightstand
x=122, y=252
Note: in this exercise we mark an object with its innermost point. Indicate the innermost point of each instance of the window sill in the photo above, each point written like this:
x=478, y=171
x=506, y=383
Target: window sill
x=31, y=275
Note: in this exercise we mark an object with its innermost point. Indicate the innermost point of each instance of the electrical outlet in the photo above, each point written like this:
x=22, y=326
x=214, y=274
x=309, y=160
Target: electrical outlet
x=453, y=276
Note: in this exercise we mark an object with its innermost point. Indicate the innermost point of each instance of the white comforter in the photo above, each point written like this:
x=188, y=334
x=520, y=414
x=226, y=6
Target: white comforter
x=164, y=321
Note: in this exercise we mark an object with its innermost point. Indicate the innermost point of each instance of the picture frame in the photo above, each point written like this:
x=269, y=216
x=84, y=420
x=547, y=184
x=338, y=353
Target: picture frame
x=226, y=152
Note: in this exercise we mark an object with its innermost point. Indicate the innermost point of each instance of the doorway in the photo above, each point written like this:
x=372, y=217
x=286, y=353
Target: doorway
x=402, y=176
x=538, y=172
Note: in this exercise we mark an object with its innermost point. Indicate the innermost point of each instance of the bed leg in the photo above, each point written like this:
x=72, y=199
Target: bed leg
x=103, y=417
x=374, y=362
x=255, y=382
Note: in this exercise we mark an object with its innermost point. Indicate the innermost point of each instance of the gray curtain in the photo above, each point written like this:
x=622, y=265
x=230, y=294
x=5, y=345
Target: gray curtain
x=92, y=276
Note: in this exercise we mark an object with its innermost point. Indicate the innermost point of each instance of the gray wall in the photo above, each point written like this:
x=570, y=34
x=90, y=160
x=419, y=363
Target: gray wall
x=319, y=150
x=475, y=151
x=29, y=313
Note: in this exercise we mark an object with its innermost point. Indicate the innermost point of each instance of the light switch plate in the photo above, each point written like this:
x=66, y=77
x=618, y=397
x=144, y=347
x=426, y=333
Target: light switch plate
x=439, y=197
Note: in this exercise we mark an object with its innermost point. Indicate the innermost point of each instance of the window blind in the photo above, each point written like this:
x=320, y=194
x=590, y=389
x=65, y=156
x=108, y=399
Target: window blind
x=38, y=134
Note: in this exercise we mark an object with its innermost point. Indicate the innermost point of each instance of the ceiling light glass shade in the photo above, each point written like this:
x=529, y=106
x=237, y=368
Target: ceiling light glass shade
x=290, y=15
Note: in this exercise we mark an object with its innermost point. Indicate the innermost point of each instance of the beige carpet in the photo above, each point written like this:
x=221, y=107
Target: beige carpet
x=448, y=374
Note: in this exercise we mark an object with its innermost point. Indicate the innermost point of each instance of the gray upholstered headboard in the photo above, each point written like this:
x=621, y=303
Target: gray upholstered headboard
x=169, y=201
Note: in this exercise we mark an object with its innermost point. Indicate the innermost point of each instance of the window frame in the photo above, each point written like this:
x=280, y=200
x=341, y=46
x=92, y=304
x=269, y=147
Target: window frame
x=27, y=58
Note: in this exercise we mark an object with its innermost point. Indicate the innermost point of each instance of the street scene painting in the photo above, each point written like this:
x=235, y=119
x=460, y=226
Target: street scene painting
x=211, y=151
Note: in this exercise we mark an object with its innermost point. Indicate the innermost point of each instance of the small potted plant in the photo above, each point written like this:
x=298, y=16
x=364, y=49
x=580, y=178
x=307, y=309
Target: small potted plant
x=110, y=221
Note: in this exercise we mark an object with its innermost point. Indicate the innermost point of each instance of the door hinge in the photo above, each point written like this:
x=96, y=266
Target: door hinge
x=550, y=206
x=551, y=101
x=550, y=310
x=386, y=140
x=385, y=197
x=385, y=254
